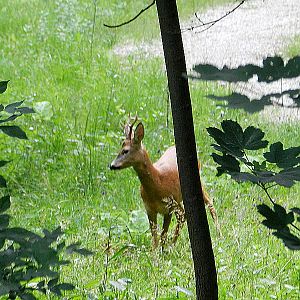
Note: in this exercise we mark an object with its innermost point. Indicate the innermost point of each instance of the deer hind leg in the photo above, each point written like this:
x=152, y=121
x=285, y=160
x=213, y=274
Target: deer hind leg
x=178, y=210
x=212, y=210
x=153, y=227
x=180, y=217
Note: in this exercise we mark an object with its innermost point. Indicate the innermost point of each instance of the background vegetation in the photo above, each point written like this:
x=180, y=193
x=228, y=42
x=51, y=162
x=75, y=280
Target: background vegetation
x=61, y=64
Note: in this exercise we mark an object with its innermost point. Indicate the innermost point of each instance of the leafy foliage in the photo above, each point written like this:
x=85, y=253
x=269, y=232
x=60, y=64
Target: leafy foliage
x=279, y=166
x=3, y=86
x=283, y=158
x=278, y=219
x=28, y=262
x=10, y=112
x=234, y=142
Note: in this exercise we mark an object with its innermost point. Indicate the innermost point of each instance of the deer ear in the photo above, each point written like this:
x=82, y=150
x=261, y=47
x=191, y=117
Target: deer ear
x=138, y=133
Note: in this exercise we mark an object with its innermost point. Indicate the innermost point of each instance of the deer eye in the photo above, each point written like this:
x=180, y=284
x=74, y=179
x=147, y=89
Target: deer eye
x=125, y=151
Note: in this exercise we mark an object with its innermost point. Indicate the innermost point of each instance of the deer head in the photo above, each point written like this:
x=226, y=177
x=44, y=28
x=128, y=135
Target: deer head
x=131, y=152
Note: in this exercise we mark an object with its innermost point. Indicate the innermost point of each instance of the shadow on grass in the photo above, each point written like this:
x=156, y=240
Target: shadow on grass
x=273, y=69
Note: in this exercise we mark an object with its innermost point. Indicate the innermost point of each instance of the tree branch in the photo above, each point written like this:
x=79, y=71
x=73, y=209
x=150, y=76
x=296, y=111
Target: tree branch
x=211, y=23
x=132, y=19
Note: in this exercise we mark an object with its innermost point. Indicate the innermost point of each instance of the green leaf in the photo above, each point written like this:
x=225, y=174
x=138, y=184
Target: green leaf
x=244, y=177
x=57, y=288
x=277, y=218
x=284, y=178
x=227, y=163
x=25, y=110
x=121, y=250
x=252, y=138
x=290, y=240
x=283, y=158
x=26, y=296
x=4, y=203
x=287, y=177
x=93, y=284
x=11, y=108
x=42, y=272
x=225, y=141
x=2, y=182
x=233, y=132
x=3, y=162
x=1, y=107
x=52, y=282
x=3, y=86
x=10, y=118
x=296, y=210
x=74, y=248
x=217, y=135
x=19, y=235
x=41, y=286
x=234, y=140
x=52, y=236
x=65, y=286
x=4, y=222
x=14, y=131
x=259, y=167
x=8, y=287
x=61, y=246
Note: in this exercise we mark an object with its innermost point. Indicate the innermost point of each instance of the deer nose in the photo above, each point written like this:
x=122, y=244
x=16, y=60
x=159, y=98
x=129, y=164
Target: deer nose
x=113, y=167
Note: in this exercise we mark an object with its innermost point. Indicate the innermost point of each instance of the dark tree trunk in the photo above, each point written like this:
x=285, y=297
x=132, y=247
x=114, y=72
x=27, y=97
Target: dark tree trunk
x=203, y=257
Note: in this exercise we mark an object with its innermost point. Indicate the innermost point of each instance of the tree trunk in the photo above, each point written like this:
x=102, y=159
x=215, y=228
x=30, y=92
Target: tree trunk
x=203, y=257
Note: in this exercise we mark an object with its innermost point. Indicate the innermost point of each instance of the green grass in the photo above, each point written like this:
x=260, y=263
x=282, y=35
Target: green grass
x=60, y=176
x=294, y=48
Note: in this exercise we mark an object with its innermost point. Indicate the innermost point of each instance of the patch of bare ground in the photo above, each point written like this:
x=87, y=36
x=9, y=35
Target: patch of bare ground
x=259, y=28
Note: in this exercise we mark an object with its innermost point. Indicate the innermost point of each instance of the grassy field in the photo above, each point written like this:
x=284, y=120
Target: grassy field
x=60, y=63
x=294, y=47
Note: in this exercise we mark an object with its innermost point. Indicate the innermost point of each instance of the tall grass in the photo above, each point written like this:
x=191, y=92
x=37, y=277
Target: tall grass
x=59, y=61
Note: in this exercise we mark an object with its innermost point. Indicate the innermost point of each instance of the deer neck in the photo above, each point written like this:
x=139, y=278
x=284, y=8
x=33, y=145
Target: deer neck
x=147, y=173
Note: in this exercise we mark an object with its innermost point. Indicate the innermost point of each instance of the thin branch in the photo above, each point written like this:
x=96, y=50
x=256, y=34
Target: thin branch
x=262, y=185
x=211, y=23
x=295, y=227
x=271, y=186
x=132, y=19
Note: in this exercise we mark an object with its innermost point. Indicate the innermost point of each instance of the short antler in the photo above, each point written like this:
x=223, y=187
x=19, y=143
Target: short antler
x=129, y=126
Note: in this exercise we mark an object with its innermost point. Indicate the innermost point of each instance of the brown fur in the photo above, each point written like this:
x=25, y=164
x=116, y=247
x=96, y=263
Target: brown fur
x=160, y=186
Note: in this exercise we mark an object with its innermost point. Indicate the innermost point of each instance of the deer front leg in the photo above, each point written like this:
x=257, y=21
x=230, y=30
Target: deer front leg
x=166, y=224
x=152, y=217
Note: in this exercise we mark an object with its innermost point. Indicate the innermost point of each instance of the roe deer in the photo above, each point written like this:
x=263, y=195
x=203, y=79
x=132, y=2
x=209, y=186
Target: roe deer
x=160, y=186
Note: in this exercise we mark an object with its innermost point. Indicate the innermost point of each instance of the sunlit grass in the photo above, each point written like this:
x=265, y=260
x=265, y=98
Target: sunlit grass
x=294, y=48
x=60, y=176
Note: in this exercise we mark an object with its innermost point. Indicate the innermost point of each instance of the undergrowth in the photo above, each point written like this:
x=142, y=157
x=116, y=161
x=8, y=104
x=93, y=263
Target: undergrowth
x=82, y=93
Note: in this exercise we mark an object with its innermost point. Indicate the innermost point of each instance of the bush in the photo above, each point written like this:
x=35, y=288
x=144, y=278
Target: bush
x=278, y=166
x=29, y=262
